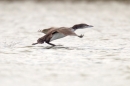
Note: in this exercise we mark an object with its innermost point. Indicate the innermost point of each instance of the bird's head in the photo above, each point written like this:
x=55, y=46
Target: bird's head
x=81, y=26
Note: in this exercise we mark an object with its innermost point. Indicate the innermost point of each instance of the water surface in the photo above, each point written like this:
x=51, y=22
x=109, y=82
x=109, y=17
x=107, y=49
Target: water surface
x=101, y=58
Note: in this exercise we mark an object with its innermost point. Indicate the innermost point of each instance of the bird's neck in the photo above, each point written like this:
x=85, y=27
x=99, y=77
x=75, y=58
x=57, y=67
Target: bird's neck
x=74, y=29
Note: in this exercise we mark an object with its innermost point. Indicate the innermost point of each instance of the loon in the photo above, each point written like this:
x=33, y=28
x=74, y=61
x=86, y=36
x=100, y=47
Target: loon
x=54, y=33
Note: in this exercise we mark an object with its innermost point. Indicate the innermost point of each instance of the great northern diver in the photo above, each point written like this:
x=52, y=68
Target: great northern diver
x=54, y=33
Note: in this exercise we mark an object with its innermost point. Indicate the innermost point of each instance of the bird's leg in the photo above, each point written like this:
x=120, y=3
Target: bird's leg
x=81, y=36
x=50, y=44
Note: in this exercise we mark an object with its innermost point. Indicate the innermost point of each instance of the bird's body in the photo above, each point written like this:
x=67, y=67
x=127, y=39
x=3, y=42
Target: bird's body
x=54, y=33
x=57, y=36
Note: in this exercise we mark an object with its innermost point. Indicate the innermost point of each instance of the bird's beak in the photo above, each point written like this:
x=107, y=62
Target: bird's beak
x=89, y=26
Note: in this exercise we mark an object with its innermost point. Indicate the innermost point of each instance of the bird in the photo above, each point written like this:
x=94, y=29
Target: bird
x=54, y=33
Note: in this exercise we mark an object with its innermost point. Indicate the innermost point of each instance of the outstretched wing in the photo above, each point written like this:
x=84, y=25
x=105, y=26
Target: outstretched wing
x=45, y=31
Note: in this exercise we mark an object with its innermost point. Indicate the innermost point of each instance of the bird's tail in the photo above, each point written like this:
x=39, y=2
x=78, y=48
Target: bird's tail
x=34, y=43
x=40, y=40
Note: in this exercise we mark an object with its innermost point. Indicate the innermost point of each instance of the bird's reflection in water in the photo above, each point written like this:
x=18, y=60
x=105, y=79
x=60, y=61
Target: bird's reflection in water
x=63, y=47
